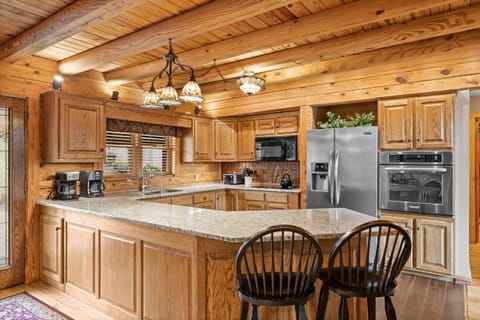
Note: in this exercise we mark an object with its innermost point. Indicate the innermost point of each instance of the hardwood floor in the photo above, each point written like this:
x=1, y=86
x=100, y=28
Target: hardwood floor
x=417, y=297
x=58, y=300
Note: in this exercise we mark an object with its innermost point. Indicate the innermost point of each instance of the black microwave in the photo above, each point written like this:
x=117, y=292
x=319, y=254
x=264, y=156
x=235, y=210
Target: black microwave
x=276, y=148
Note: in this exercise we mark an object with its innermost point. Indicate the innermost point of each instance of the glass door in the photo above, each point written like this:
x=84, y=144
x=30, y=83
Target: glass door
x=12, y=192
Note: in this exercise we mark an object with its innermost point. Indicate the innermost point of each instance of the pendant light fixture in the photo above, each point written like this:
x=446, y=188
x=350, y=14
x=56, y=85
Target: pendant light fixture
x=249, y=83
x=167, y=96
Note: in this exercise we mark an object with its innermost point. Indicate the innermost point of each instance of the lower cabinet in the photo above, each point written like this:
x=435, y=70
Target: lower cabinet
x=51, y=247
x=258, y=200
x=432, y=241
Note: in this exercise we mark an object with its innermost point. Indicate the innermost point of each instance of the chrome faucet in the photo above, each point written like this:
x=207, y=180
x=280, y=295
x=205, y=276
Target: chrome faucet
x=144, y=185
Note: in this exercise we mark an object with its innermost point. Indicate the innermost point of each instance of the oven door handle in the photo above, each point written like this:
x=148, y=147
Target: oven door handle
x=423, y=169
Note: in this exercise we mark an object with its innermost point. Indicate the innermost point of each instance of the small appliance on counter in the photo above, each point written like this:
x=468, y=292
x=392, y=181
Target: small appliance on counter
x=233, y=178
x=66, y=185
x=285, y=182
x=91, y=183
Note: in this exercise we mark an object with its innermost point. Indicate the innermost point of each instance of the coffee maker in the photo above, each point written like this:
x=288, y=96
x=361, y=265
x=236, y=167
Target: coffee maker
x=91, y=183
x=66, y=185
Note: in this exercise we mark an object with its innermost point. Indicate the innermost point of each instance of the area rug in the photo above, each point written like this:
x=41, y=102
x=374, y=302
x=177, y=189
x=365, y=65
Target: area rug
x=23, y=306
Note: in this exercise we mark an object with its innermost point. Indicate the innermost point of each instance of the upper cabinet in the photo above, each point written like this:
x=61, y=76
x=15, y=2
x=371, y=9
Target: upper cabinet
x=284, y=123
x=225, y=139
x=73, y=128
x=246, y=140
x=416, y=123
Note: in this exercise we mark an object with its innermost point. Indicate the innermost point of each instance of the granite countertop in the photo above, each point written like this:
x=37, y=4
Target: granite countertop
x=231, y=226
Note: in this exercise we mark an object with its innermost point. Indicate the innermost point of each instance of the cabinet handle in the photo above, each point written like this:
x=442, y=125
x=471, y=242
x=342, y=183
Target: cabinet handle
x=58, y=228
x=101, y=150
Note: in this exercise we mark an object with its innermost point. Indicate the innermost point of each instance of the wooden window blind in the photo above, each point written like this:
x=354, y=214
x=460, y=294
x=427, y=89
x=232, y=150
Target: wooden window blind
x=127, y=153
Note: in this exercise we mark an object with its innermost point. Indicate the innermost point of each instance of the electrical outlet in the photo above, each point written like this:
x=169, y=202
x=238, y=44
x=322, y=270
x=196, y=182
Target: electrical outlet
x=197, y=177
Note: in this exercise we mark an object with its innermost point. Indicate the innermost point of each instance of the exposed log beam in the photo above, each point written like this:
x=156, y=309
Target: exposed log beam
x=322, y=23
x=208, y=17
x=459, y=46
x=73, y=19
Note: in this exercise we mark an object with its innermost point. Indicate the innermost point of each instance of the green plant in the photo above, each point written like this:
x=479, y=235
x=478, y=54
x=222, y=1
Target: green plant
x=336, y=121
x=247, y=172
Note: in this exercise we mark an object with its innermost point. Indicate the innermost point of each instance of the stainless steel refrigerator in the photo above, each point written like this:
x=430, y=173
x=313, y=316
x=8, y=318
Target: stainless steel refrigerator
x=342, y=169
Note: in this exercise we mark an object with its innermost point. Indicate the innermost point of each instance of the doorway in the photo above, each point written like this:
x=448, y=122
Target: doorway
x=12, y=191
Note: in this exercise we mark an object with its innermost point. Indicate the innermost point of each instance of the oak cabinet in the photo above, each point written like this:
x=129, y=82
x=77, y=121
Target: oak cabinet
x=51, y=247
x=245, y=140
x=416, y=123
x=258, y=200
x=73, y=128
x=203, y=134
x=284, y=123
x=225, y=139
x=432, y=242
x=204, y=200
x=185, y=200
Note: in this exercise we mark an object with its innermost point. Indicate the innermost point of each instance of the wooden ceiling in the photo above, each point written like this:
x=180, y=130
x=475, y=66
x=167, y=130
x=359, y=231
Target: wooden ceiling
x=282, y=41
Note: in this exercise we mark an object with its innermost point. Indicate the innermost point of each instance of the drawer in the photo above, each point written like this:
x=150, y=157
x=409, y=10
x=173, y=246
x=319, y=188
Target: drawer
x=166, y=200
x=185, y=200
x=205, y=205
x=253, y=196
x=203, y=197
x=276, y=197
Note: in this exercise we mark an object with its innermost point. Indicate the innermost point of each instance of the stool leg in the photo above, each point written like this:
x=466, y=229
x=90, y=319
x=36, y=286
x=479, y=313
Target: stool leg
x=371, y=308
x=390, y=309
x=300, y=312
x=254, y=315
x=343, y=311
x=244, y=311
x=322, y=302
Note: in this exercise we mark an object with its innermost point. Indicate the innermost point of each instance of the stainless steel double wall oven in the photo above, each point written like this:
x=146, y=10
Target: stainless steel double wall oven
x=414, y=181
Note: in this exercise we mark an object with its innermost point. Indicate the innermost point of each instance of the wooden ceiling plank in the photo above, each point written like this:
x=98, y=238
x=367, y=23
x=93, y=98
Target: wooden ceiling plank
x=430, y=27
x=323, y=22
x=71, y=20
x=202, y=19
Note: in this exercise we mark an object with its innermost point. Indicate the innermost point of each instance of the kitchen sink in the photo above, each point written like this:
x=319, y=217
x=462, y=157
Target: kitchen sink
x=161, y=191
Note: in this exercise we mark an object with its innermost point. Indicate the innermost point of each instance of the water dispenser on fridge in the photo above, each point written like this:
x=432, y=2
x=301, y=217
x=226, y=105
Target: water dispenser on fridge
x=320, y=176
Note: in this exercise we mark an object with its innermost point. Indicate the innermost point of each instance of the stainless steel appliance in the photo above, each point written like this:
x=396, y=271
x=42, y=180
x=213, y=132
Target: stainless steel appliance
x=91, y=183
x=276, y=148
x=414, y=181
x=233, y=178
x=342, y=169
x=66, y=185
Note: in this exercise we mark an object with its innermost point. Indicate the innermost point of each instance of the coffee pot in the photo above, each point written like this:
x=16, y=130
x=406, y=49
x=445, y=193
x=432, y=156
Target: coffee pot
x=66, y=185
x=91, y=183
x=285, y=182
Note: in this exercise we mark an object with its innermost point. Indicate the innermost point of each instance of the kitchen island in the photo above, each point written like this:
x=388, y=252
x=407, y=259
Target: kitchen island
x=135, y=259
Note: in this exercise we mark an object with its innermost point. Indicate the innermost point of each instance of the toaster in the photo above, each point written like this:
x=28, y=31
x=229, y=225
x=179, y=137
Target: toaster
x=233, y=178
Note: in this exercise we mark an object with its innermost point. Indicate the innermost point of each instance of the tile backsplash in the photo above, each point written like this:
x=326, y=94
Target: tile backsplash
x=268, y=172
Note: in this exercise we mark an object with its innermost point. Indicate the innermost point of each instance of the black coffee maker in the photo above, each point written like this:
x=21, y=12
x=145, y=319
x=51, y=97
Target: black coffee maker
x=91, y=183
x=66, y=185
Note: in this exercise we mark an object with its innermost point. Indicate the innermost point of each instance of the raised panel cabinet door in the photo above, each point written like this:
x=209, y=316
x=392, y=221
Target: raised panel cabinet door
x=81, y=129
x=51, y=252
x=254, y=205
x=434, y=119
x=167, y=283
x=286, y=124
x=81, y=255
x=265, y=126
x=395, y=124
x=246, y=140
x=407, y=224
x=118, y=279
x=203, y=137
x=225, y=140
x=185, y=200
x=434, y=245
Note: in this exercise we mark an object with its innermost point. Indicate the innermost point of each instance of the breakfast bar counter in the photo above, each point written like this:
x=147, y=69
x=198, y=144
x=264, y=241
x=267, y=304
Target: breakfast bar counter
x=134, y=259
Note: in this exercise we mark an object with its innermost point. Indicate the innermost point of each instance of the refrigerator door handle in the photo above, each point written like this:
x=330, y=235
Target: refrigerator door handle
x=337, y=179
x=331, y=181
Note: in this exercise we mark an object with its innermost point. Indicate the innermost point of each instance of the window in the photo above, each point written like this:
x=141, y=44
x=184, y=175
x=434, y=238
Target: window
x=127, y=153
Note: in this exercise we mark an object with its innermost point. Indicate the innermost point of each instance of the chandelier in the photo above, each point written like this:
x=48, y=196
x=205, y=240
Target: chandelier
x=249, y=83
x=167, y=96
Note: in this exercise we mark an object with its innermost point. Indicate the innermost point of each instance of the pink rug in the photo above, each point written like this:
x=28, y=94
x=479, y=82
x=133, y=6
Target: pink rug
x=23, y=306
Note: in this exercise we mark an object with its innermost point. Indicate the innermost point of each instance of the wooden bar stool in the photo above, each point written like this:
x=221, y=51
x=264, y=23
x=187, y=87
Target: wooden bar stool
x=365, y=262
x=278, y=266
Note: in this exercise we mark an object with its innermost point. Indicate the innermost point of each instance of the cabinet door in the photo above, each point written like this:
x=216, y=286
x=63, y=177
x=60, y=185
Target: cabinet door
x=185, y=200
x=434, y=245
x=245, y=140
x=407, y=224
x=203, y=136
x=51, y=240
x=433, y=116
x=265, y=126
x=225, y=140
x=395, y=124
x=286, y=124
